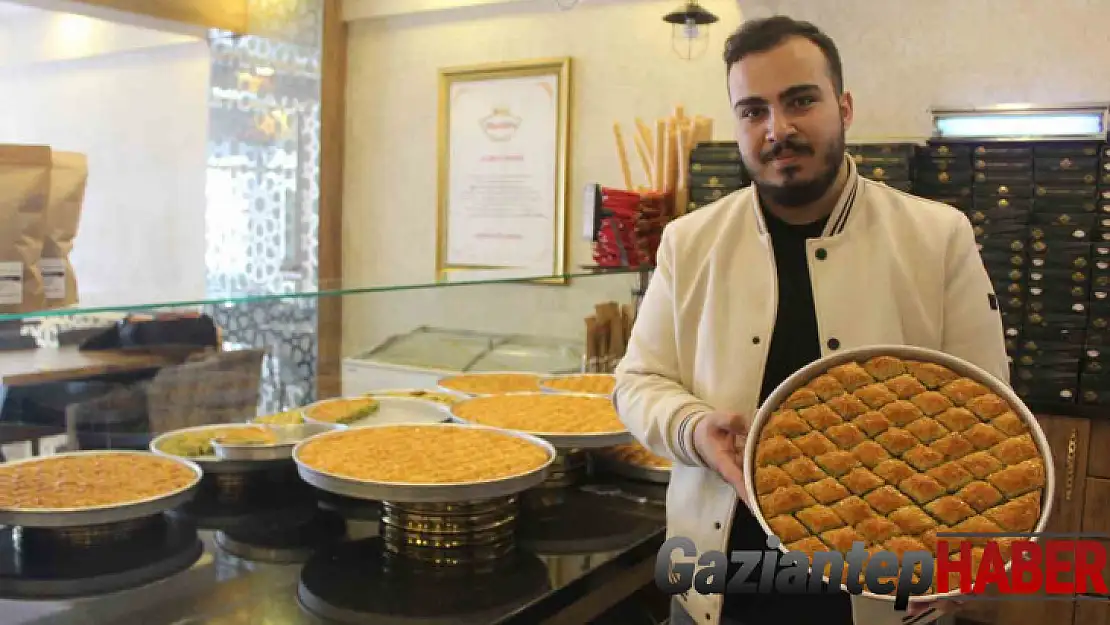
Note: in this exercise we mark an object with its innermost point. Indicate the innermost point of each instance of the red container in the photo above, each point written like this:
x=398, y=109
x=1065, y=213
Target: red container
x=631, y=226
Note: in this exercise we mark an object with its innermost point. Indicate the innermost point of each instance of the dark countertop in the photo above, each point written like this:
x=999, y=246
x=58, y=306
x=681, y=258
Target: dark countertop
x=306, y=557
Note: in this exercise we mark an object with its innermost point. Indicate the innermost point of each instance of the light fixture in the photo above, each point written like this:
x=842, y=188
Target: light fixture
x=690, y=29
x=1022, y=122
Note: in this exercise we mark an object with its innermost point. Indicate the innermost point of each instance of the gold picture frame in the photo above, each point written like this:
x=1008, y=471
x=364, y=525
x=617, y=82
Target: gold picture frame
x=560, y=70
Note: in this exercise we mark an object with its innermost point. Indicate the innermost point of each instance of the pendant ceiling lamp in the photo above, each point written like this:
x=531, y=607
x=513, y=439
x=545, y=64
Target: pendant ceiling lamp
x=690, y=29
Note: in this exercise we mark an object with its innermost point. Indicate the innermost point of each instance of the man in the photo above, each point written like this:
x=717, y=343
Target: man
x=809, y=260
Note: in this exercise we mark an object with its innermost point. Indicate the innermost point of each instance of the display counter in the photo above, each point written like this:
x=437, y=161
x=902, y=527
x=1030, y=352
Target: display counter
x=283, y=552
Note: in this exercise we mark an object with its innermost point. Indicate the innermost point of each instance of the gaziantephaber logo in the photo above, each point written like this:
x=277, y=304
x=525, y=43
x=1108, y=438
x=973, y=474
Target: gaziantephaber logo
x=1040, y=564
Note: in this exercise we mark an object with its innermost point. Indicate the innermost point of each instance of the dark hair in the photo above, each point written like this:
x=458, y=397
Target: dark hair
x=763, y=34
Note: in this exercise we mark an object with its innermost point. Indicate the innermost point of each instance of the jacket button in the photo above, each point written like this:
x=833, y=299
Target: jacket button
x=821, y=253
x=834, y=343
x=755, y=340
x=716, y=526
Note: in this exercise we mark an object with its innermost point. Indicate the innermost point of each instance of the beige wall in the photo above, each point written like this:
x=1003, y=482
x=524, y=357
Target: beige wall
x=901, y=56
x=135, y=101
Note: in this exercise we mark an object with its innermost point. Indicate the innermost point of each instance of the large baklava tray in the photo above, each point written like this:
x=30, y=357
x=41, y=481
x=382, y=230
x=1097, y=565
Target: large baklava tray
x=424, y=463
x=566, y=420
x=93, y=488
x=890, y=446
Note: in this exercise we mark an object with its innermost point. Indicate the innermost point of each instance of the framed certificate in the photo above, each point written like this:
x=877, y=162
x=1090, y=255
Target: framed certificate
x=503, y=134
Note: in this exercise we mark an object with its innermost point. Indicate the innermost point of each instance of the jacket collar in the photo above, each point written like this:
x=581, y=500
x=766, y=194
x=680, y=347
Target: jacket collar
x=838, y=219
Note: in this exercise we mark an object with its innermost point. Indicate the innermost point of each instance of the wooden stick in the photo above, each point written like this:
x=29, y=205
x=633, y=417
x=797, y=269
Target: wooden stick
x=660, y=151
x=672, y=156
x=591, y=344
x=681, y=191
x=645, y=160
x=668, y=157
x=626, y=171
x=645, y=134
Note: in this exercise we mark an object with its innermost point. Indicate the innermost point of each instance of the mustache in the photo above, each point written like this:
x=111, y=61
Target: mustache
x=790, y=143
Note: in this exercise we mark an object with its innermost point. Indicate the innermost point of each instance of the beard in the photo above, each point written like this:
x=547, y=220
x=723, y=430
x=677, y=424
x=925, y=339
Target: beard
x=797, y=193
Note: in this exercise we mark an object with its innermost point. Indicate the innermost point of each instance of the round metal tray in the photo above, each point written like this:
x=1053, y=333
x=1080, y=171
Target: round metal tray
x=215, y=464
x=803, y=376
x=413, y=393
x=288, y=437
x=633, y=471
x=100, y=515
x=427, y=493
x=568, y=440
x=465, y=395
x=564, y=376
x=393, y=411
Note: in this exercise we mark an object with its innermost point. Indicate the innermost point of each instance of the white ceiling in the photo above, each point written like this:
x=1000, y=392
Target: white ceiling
x=12, y=10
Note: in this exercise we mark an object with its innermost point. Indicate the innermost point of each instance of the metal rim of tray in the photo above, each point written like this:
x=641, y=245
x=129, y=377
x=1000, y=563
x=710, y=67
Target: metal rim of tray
x=803, y=376
x=214, y=464
x=442, y=412
x=101, y=515
x=563, y=376
x=426, y=493
x=450, y=391
x=629, y=470
x=288, y=437
x=567, y=440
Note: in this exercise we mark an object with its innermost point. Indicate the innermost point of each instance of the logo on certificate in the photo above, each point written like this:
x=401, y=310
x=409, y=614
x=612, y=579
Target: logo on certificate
x=500, y=125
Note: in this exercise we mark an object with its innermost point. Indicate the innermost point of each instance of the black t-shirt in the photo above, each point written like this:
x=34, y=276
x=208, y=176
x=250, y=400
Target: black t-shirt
x=795, y=343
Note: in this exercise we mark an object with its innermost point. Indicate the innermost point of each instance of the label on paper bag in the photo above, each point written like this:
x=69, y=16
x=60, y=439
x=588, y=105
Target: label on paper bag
x=11, y=283
x=53, y=277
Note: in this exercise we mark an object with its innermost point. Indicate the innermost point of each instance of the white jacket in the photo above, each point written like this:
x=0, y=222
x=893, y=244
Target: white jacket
x=890, y=268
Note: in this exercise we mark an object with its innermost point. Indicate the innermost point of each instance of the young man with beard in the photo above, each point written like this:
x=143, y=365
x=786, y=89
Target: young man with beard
x=809, y=260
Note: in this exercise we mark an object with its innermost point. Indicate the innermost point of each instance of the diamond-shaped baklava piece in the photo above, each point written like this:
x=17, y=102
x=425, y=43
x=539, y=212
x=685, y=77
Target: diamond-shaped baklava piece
x=886, y=499
x=950, y=510
x=931, y=374
x=963, y=390
x=984, y=436
x=893, y=470
x=931, y=403
x=821, y=417
x=814, y=444
x=847, y=406
x=1015, y=450
x=785, y=423
x=980, y=495
x=977, y=525
x=861, y=481
x=801, y=398
x=845, y=435
x=827, y=491
x=870, y=453
x=1017, y=515
x=875, y=395
x=853, y=510
x=804, y=470
x=921, y=488
x=884, y=367
x=926, y=429
x=818, y=519
x=826, y=387
x=912, y=520
x=923, y=458
x=876, y=529
x=1019, y=479
x=897, y=441
x=776, y=450
x=1009, y=424
x=957, y=419
x=951, y=476
x=987, y=406
x=901, y=412
x=841, y=539
x=809, y=545
x=905, y=386
x=770, y=478
x=851, y=375
x=871, y=423
x=787, y=528
x=786, y=500
x=980, y=464
x=953, y=446
x=837, y=463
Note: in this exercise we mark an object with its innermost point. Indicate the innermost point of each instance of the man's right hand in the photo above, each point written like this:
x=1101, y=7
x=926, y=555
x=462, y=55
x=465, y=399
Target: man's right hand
x=719, y=438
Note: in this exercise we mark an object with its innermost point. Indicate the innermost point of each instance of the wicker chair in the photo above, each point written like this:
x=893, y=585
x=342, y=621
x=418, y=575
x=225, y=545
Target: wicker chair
x=210, y=388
